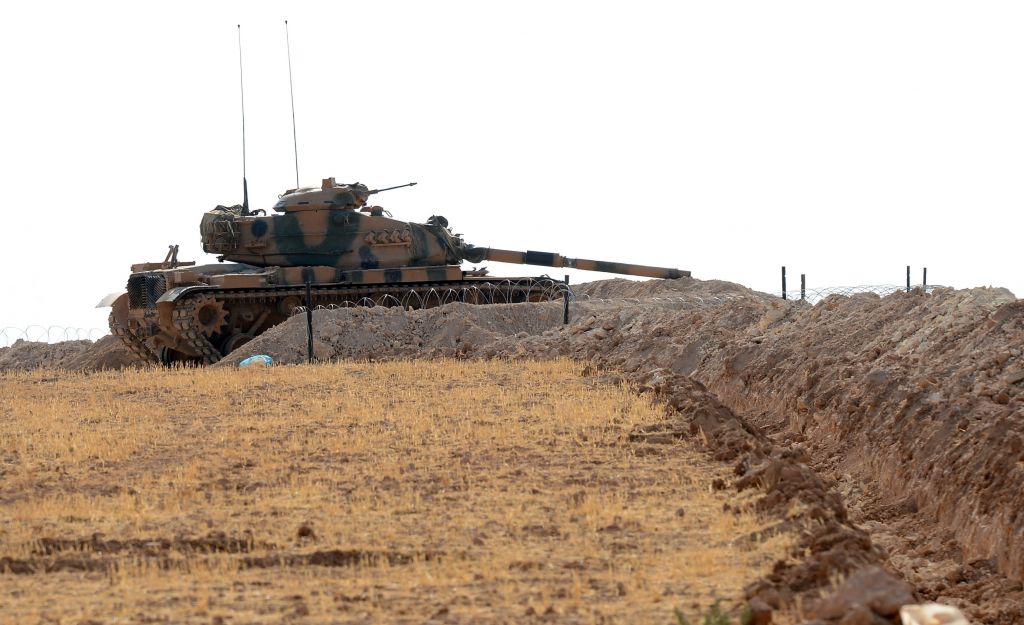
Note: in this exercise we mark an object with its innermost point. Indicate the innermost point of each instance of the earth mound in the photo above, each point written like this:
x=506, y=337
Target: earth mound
x=105, y=353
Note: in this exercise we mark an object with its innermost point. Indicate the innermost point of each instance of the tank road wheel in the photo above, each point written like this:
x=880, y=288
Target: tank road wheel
x=235, y=341
x=169, y=358
x=209, y=315
x=288, y=305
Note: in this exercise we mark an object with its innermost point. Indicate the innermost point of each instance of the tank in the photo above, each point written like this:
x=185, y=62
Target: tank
x=327, y=247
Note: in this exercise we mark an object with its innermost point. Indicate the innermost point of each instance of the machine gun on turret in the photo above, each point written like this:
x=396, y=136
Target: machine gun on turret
x=408, y=184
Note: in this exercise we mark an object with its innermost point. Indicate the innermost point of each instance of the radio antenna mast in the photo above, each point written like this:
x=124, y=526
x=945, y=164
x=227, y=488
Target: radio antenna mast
x=241, y=86
x=291, y=90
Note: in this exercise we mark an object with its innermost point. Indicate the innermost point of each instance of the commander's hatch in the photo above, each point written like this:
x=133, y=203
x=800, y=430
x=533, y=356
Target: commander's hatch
x=330, y=195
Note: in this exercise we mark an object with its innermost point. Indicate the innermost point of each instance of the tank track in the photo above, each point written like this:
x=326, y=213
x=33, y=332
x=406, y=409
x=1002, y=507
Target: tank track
x=184, y=311
x=183, y=316
x=134, y=344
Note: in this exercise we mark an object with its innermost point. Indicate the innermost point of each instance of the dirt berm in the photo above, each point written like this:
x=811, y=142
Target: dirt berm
x=889, y=431
x=106, y=353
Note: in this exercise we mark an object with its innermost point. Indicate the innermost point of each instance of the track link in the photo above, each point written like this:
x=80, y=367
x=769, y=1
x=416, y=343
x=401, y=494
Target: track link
x=134, y=344
x=183, y=317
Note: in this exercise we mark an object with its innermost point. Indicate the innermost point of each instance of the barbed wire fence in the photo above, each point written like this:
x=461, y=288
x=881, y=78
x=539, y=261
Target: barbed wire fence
x=815, y=295
x=49, y=334
x=524, y=305
x=558, y=299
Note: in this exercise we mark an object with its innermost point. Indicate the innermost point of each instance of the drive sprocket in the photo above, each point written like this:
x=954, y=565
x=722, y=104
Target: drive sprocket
x=209, y=315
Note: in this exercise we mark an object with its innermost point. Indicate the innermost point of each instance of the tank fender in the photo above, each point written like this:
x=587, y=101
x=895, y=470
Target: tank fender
x=177, y=293
x=166, y=302
x=118, y=309
x=110, y=299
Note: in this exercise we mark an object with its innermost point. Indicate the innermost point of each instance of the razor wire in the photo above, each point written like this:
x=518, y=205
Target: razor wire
x=665, y=299
x=813, y=296
x=809, y=295
x=506, y=291
x=512, y=314
x=528, y=305
x=48, y=334
x=500, y=292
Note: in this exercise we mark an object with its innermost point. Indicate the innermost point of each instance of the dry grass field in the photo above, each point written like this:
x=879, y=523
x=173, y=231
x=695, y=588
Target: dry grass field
x=404, y=492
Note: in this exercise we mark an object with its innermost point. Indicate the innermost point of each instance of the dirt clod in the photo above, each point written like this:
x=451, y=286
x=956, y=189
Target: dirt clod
x=868, y=593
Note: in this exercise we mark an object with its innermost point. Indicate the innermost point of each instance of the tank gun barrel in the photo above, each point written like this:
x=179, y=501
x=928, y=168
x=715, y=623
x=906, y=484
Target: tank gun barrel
x=408, y=184
x=551, y=259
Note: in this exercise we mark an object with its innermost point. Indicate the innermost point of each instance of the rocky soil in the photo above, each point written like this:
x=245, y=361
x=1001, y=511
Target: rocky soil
x=891, y=430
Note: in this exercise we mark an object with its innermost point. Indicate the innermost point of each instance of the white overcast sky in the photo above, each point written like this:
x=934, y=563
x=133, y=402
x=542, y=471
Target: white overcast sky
x=843, y=140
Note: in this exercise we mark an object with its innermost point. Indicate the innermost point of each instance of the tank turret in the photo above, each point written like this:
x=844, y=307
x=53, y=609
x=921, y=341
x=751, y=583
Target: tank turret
x=326, y=241
x=330, y=226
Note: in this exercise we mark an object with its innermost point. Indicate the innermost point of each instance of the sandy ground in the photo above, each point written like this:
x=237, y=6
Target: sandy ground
x=404, y=492
x=897, y=423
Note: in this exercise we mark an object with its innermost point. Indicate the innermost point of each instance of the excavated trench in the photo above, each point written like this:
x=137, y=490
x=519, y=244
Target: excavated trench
x=889, y=430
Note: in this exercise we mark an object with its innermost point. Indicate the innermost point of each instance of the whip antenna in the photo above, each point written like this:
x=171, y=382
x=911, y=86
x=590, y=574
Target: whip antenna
x=241, y=86
x=291, y=90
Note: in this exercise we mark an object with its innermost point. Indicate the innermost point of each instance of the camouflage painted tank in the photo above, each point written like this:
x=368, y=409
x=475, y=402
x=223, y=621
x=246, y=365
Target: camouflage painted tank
x=329, y=244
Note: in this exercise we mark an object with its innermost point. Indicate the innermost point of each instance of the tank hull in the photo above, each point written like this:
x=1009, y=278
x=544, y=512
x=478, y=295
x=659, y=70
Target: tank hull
x=201, y=314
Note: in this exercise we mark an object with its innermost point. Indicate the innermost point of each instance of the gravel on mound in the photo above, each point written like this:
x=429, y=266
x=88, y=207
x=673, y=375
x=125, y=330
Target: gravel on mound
x=26, y=355
x=389, y=333
x=617, y=288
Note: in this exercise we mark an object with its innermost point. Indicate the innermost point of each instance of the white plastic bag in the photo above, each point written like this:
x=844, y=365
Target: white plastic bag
x=259, y=360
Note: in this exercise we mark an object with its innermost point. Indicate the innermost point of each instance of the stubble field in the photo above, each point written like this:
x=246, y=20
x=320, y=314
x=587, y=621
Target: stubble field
x=409, y=491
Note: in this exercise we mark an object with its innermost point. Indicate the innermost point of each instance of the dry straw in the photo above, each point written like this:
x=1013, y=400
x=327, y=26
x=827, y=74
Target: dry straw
x=473, y=491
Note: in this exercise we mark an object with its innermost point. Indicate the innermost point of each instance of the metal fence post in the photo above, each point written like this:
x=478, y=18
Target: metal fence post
x=783, y=282
x=924, y=279
x=803, y=287
x=309, y=319
x=908, y=278
x=565, y=300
